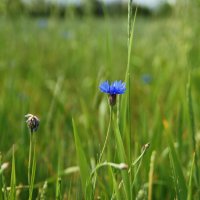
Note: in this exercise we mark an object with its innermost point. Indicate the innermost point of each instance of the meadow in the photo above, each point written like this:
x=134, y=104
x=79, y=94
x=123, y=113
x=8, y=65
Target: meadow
x=52, y=68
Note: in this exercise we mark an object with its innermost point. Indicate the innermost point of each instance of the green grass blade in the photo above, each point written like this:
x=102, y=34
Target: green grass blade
x=1, y=175
x=122, y=157
x=116, y=194
x=150, y=186
x=82, y=161
x=138, y=162
x=178, y=172
x=12, y=195
x=180, y=130
x=189, y=197
x=58, y=189
x=174, y=177
x=126, y=98
x=59, y=180
x=193, y=128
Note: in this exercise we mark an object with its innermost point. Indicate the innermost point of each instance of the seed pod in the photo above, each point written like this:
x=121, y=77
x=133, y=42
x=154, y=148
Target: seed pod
x=32, y=122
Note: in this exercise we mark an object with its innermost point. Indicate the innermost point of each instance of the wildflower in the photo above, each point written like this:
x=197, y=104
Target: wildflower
x=146, y=78
x=32, y=122
x=116, y=87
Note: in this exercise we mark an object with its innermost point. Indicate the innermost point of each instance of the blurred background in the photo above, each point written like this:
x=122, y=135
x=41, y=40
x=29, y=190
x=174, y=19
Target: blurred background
x=63, y=8
x=55, y=53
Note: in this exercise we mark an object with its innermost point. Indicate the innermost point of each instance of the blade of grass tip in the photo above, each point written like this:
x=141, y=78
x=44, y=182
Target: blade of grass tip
x=122, y=157
x=190, y=185
x=192, y=125
x=178, y=172
x=12, y=195
x=82, y=161
x=31, y=186
x=150, y=186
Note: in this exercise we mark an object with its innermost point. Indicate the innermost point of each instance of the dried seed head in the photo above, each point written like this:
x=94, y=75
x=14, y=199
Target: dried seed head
x=123, y=166
x=112, y=99
x=32, y=122
x=4, y=166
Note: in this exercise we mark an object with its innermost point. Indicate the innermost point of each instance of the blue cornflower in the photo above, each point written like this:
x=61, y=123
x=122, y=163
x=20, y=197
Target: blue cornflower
x=116, y=87
x=146, y=78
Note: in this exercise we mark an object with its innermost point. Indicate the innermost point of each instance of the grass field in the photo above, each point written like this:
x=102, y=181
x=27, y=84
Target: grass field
x=52, y=68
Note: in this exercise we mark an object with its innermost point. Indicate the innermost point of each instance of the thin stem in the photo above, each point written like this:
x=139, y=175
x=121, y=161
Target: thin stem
x=33, y=168
x=107, y=135
x=193, y=127
x=30, y=158
x=150, y=188
x=120, y=166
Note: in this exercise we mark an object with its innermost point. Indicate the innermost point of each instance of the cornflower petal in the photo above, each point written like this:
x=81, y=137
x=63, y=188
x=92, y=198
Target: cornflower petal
x=117, y=87
x=105, y=87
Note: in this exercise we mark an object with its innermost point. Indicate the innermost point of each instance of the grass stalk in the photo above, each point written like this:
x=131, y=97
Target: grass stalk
x=193, y=128
x=190, y=185
x=126, y=99
x=83, y=164
x=177, y=171
x=58, y=189
x=59, y=180
x=107, y=136
x=1, y=174
x=12, y=195
x=150, y=186
x=121, y=156
x=30, y=158
x=32, y=167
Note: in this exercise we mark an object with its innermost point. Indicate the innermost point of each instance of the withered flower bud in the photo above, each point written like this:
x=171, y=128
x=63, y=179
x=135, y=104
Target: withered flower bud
x=32, y=122
x=112, y=99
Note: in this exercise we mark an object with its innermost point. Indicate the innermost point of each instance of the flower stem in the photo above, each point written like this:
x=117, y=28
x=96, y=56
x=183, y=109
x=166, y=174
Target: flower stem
x=33, y=167
x=107, y=135
x=30, y=158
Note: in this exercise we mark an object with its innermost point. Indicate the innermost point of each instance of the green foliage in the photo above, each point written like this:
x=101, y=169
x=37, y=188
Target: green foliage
x=83, y=164
x=52, y=68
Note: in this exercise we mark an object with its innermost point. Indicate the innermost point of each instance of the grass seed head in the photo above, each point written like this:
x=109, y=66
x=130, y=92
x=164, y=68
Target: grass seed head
x=32, y=122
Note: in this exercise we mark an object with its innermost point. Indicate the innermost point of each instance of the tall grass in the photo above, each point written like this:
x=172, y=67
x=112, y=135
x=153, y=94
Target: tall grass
x=53, y=68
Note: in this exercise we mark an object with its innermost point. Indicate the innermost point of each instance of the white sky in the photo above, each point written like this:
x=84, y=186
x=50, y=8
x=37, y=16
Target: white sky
x=151, y=4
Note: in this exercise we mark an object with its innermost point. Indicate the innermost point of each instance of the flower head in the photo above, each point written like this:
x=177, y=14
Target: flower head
x=116, y=87
x=32, y=122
